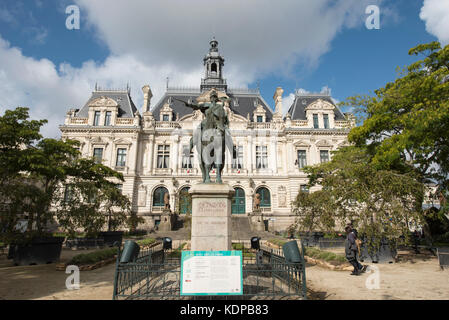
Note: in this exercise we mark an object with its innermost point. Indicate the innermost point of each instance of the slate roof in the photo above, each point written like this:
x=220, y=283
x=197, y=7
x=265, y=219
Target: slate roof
x=127, y=109
x=301, y=102
x=245, y=104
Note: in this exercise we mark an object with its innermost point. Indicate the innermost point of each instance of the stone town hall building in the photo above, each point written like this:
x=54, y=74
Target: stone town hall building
x=269, y=150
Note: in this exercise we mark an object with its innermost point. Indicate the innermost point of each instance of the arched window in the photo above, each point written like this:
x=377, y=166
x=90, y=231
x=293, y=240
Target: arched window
x=185, y=201
x=265, y=198
x=238, y=201
x=213, y=67
x=158, y=197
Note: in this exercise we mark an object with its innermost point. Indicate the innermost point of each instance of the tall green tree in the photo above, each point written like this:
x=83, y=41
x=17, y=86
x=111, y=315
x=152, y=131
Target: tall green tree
x=406, y=123
x=34, y=169
x=380, y=203
x=90, y=200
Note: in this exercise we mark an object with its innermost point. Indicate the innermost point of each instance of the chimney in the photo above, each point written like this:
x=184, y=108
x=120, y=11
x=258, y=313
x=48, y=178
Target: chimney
x=278, y=100
x=147, y=95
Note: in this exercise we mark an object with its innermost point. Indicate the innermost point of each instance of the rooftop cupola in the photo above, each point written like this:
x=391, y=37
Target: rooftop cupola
x=213, y=69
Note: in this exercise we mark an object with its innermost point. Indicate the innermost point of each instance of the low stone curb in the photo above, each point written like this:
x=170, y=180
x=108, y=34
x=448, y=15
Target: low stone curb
x=88, y=267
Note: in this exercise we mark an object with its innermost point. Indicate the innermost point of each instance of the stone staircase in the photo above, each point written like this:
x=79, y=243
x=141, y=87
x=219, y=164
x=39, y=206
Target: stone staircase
x=241, y=231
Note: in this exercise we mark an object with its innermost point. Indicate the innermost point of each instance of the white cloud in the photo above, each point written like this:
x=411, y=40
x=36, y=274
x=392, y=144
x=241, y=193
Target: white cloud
x=435, y=13
x=287, y=103
x=50, y=91
x=150, y=40
x=256, y=36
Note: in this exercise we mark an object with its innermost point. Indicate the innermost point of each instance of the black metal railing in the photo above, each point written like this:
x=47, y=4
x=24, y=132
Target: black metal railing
x=156, y=275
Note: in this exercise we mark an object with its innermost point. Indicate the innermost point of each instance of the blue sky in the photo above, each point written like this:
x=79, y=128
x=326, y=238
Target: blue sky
x=291, y=43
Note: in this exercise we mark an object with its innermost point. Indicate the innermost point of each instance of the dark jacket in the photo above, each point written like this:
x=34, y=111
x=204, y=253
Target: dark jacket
x=350, y=246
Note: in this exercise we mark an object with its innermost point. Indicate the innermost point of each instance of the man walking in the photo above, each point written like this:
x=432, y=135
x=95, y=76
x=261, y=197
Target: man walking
x=351, y=251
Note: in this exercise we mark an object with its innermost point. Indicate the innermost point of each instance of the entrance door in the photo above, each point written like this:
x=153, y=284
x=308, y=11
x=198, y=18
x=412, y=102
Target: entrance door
x=238, y=202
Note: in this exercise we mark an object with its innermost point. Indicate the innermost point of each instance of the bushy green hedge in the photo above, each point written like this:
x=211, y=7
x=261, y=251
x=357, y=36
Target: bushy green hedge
x=146, y=242
x=324, y=255
x=93, y=257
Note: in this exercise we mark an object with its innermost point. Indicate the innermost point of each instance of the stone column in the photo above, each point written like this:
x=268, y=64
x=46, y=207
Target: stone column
x=273, y=154
x=174, y=154
x=290, y=160
x=211, y=217
x=249, y=155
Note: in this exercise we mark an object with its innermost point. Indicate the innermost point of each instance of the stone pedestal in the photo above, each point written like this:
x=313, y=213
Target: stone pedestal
x=211, y=217
x=166, y=223
x=257, y=222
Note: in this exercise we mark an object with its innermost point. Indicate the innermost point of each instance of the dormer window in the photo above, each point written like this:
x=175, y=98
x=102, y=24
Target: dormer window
x=166, y=113
x=259, y=113
x=315, y=121
x=107, y=118
x=97, y=118
x=326, y=121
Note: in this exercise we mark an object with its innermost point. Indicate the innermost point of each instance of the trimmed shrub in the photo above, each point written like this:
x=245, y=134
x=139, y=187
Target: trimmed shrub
x=93, y=257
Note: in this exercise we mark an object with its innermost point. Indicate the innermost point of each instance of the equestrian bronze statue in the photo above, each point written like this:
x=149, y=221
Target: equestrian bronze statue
x=212, y=136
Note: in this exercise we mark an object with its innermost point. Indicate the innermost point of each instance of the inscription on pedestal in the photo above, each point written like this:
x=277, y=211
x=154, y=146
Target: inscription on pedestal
x=211, y=217
x=211, y=208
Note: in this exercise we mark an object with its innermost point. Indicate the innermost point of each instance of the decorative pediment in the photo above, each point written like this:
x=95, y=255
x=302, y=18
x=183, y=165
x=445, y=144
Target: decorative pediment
x=260, y=110
x=320, y=105
x=323, y=143
x=301, y=143
x=103, y=102
x=205, y=96
x=96, y=140
x=122, y=142
x=166, y=108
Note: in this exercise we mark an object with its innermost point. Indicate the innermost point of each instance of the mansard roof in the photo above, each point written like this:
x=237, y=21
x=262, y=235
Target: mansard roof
x=127, y=109
x=242, y=102
x=302, y=101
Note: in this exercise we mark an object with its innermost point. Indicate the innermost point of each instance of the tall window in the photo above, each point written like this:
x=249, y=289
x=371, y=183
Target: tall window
x=324, y=155
x=98, y=155
x=121, y=157
x=158, y=197
x=326, y=121
x=259, y=119
x=237, y=157
x=97, y=118
x=265, y=198
x=187, y=158
x=302, y=161
x=261, y=157
x=163, y=156
x=107, y=119
x=315, y=121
